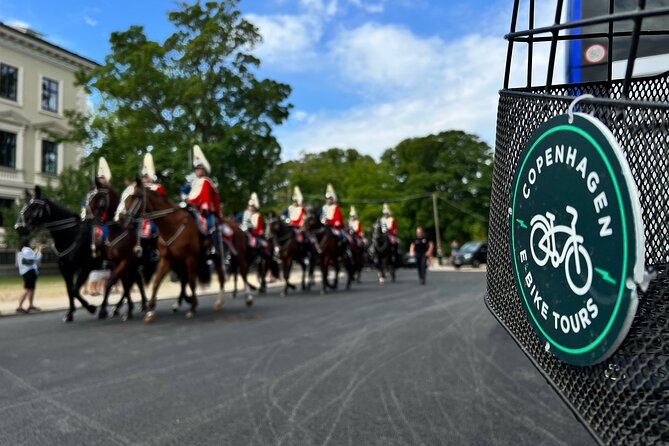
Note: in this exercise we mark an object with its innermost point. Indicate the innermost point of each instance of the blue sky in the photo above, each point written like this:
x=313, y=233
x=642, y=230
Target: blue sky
x=365, y=73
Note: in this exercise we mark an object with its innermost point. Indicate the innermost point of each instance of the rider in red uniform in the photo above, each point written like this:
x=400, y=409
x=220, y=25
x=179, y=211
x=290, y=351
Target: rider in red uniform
x=354, y=223
x=202, y=194
x=149, y=178
x=331, y=212
x=294, y=214
x=389, y=224
x=252, y=221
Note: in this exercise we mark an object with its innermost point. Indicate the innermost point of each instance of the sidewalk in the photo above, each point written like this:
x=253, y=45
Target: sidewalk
x=51, y=295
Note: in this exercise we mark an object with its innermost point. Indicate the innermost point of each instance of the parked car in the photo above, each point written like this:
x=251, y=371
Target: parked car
x=472, y=253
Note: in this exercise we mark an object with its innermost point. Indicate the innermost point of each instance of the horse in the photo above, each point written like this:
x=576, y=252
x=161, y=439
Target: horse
x=291, y=250
x=123, y=249
x=182, y=248
x=358, y=249
x=331, y=250
x=72, y=243
x=242, y=257
x=386, y=254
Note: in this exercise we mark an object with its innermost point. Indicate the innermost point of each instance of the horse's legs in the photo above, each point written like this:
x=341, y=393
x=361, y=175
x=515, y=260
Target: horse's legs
x=163, y=268
x=263, y=267
x=68, y=277
x=81, y=278
x=324, y=274
x=139, y=280
x=218, y=264
x=244, y=267
x=128, y=280
x=287, y=264
x=183, y=280
x=113, y=278
x=336, y=279
x=191, y=270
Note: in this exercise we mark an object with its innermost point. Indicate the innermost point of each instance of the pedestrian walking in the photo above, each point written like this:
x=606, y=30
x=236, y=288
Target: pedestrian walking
x=28, y=260
x=421, y=248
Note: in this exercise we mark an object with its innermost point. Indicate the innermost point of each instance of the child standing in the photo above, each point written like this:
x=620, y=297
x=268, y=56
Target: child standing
x=28, y=260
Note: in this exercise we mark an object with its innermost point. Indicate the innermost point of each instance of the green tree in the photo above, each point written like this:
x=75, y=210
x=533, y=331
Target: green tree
x=456, y=165
x=198, y=86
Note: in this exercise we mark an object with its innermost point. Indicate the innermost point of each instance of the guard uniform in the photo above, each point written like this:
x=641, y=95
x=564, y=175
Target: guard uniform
x=203, y=194
x=149, y=178
x=331, y=213
x=252, y=221
x=355, y=227
x=294, y=214
x=389, y=224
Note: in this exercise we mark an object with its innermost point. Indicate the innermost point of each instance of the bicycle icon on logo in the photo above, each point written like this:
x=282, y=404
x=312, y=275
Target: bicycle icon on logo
x=573, y=255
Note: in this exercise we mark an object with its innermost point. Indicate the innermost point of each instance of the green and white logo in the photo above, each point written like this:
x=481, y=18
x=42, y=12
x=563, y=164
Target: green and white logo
x=576, y=238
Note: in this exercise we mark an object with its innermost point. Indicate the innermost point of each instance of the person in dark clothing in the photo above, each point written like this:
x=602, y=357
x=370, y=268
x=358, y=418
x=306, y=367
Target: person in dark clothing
x=421, y=248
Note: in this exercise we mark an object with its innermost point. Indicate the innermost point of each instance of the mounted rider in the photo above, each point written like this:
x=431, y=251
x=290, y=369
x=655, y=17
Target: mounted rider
x=389, y=225
x=203, y=196
x=331, y=213
x=355, y=226
x=252, y=221
x=103, y=178
x=294, y=214
x=149, y=178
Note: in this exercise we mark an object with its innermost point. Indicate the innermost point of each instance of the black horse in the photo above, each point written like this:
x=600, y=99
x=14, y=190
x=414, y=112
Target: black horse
x=73, y=243
x=386, y=253
x=291, y=250
x=331, y=250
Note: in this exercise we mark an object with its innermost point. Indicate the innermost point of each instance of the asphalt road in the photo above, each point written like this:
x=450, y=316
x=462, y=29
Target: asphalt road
x=398, y=364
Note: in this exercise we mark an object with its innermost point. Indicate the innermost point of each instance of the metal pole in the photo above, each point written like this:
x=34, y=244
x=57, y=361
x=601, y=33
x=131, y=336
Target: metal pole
x=436, y=225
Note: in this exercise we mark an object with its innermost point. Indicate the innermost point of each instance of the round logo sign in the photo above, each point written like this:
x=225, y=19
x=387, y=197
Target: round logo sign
x=595, y=53
x=576, y=238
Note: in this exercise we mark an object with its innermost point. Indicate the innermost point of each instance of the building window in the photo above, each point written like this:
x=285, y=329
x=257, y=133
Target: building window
x=9, y=82
x=7, y=149
x=49, y=157
x=49, y=95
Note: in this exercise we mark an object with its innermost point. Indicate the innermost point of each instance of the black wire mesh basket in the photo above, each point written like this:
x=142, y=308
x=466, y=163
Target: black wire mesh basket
x=624, y=399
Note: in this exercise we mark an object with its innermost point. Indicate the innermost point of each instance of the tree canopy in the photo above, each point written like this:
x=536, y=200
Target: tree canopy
x=198, y=86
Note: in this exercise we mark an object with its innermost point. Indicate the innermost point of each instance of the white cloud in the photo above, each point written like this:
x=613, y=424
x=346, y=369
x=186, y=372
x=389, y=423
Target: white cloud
x=286, y=38
x=89, y=21
x=406, y=85
x=372, y=8
x=413, y=86
x=386, y=56
x=443, y=86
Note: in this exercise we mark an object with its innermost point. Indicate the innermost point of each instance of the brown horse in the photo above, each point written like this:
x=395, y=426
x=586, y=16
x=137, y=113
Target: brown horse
x=123, y=249
x=182, y=248
x=291, y=250
x=242, y=256
x=332, y=251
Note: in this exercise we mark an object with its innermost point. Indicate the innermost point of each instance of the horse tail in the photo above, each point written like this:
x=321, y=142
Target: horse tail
x=203, y=270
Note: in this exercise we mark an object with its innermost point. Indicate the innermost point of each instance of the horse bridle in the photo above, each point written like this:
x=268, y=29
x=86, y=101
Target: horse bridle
x=53, y=226
x=140, y=200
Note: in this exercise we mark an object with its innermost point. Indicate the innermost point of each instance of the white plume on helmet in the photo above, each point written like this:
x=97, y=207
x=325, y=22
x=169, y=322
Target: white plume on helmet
x=103, y=169
x=386, y=209
x=199, y=160
x=297, y=195
x=253, y=201
x=149, y=169
x=353, y=212
x=330, y=192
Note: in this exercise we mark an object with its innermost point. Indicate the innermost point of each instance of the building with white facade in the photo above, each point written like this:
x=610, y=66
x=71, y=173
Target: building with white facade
x=37, y=85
